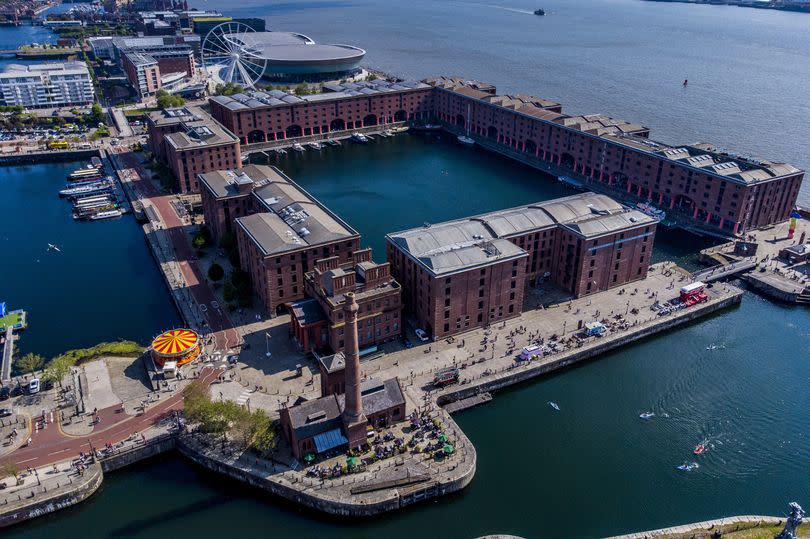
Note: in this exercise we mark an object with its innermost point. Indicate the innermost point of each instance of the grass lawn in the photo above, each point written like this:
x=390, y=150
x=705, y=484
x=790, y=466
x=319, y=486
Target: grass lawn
x=11, y=319
x=767, y=532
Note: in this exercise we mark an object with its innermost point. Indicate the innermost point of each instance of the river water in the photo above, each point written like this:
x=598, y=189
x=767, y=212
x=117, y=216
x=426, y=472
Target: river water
x=736, y=381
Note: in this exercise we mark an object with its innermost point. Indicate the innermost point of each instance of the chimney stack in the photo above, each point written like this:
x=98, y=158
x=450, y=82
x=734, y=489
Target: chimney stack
x=353, y=417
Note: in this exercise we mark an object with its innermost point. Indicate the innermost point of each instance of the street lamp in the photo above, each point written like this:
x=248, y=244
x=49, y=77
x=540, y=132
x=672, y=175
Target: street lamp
x=267, y=343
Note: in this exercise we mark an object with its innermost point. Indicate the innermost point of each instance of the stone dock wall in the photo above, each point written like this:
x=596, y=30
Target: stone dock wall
x=44, y=503
x=323, y=500
x=151, y=448
x=768, y=290
x=506, y=379
x=707, y=529
x=50, y=156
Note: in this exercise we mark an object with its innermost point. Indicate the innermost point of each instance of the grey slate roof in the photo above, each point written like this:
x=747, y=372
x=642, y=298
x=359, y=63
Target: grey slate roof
x=463, y=244
x=378, y=396
x=315, y=417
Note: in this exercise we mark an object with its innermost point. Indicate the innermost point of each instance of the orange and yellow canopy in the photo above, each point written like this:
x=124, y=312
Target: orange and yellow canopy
x=175, y=341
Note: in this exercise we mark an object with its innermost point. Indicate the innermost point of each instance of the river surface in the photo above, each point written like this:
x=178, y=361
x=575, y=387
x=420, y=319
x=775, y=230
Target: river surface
x=103, y=283
x=736, y=381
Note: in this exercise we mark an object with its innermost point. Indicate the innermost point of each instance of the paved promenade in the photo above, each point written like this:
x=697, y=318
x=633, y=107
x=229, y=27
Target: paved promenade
x=53, y=444
x=176, y=255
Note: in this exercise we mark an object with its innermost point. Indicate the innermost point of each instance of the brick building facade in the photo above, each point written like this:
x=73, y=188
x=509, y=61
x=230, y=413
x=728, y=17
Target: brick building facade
x=190, y=143
x=696, y=184
x=317, y=322
x=471, y=272
x=275, y=115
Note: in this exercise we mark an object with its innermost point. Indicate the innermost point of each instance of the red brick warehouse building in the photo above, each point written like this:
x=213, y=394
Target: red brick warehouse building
x=471, y=272
x=317, y=321
x=729, y=194
x=281, y=230
x=275, y=115
x=190, y=143
x=696, y=184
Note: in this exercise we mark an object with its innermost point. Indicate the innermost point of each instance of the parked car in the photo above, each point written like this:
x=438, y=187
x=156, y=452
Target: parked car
x=16, y=391
x=5, y=393
x=5, y=412
x=422, y=335
x=33, y=386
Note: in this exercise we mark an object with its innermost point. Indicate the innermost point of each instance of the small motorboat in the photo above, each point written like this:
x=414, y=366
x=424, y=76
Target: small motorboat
x=467, y=141
x=539, y=12
x=298, y=148
x=688, y=466
x=699, y=449
x=646, y=415
x=554, y=405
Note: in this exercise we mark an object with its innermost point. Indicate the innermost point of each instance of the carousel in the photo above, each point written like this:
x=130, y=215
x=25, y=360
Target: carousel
x=180, y=345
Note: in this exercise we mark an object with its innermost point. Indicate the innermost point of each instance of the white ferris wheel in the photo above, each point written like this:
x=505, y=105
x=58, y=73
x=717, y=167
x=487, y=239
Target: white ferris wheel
x=228, y=57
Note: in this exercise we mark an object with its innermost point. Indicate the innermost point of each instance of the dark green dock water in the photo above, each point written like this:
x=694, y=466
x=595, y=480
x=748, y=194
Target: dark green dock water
x=595, y=462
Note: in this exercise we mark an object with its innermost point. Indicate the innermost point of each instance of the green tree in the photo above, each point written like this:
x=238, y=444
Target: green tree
x=302, y=89
x=215, y=272
x=29, y=363
x=165, y=100
x=57, y=369
x=198, y=242
x=229, y=88
x=96, y=114
x=228, y=291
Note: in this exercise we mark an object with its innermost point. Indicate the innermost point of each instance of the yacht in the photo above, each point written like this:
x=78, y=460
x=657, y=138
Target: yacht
x=359, y=137
x=298, y=148
x=467, y=141
x=108, y=214
x=315, y=145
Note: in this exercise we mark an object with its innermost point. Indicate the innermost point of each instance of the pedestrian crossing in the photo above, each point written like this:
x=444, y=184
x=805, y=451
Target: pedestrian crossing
x=243, y=397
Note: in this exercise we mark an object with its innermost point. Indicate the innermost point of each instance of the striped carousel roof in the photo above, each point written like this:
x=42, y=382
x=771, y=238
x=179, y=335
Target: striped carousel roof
x=176, y=341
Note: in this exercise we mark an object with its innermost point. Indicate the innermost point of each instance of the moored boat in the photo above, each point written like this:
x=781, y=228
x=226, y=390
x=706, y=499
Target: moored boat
x=298, y=148
x=333, y=142
x=467, y=141
x=571, y=182
x=359, y=137
x=648, y=209
x=315, y=145
x=107, y=214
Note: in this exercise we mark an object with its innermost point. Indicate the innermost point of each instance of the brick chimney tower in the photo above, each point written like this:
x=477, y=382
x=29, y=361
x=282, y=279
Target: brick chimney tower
x=353, y=417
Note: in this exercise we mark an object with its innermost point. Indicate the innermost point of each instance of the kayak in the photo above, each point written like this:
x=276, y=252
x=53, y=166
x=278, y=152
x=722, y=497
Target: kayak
x=554, y=405
x=688, y=467
x=699, y=449
x=646, y=415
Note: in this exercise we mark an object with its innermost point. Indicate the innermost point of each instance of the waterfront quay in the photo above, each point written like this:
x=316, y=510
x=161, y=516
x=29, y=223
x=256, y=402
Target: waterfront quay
x=774, y=263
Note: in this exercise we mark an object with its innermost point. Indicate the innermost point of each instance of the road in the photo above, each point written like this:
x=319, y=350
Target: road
x=50, y=444
x=225, y=335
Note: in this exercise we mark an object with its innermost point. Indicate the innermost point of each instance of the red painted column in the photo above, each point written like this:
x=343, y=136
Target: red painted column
x=694, y=214
x=524, y=146
x=671, y=203
x=559, y=158
x=708, y=216
x=601, y=176
x=593, y=173
x=537, y=153
x=736, y=226
x=544, y=155
x=722, y=222
x=610, y=179
x=639, y=190
x=629, y=186
x=660, y=198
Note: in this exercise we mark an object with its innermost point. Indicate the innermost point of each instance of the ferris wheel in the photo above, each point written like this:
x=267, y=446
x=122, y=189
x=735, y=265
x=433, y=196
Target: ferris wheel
x=228, y=57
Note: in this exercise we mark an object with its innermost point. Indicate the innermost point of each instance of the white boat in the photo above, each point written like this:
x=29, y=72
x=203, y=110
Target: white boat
x=401, y=129
x=298, y=148
x=281, y=151
x=333, y=142
x=108, y=214
x=467, y=141
x=359, y=137
x=648, y=209
x=646, y=415
x=688, y=466
x=315, y=145
x=86, y=189
x=554, y=405
x=571, y=182
x=387, y=133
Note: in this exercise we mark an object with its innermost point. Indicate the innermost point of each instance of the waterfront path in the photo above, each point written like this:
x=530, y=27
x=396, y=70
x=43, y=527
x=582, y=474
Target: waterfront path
x=52, y=444
x=171, y=227
x=8, y=352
